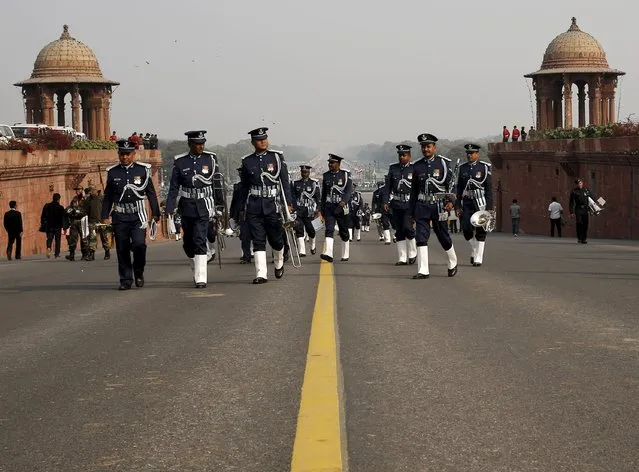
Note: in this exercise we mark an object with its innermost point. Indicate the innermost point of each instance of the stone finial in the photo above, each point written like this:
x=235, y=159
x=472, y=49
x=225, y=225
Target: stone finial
x=573, y=26
x=65, y=32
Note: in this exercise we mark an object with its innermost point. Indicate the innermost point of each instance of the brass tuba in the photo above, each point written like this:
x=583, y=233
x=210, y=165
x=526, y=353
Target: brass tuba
x=484, y=219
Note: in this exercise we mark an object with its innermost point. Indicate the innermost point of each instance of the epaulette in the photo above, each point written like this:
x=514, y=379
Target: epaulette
x=445, y=158
x=487, y=163
x=275, y=151
x=112, y=167
x=464, y=163
x=148, y=166
x=244, y=157
x=184, y=154
x=210, y=153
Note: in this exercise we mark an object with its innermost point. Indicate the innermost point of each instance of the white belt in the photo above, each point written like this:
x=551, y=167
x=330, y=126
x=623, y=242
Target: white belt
x=126, y=207
x=264, y=192
x=402, y=197
x=335, y=199
x=423, y=197
x=196, y=193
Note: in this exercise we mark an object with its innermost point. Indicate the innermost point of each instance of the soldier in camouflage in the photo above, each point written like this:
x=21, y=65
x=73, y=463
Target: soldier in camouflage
x=73, y=214
x=92, y=209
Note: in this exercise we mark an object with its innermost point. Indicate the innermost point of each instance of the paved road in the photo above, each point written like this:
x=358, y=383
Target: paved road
x=529, y=363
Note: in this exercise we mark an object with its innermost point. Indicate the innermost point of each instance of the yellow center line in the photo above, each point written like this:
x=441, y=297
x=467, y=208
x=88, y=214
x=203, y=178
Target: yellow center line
x=318, y=441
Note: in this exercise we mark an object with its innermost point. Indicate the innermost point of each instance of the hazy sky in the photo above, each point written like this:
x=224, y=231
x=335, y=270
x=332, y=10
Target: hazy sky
x=329, y=72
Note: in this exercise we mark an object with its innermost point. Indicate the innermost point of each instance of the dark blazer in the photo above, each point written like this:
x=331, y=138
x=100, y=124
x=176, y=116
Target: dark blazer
x=13, y=222
x=52, y=216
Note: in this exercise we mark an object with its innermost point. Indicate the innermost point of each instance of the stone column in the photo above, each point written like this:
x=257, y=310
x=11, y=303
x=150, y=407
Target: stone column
x=567, y=102
x=60, y=104
x=92, y=121
x=107, y=117
x=605, y=103
x=46, y=97
x=581, y=97
x=99, y=124
x=611, y=108
x=558, y=111
x=75, y=110
x=544, y=114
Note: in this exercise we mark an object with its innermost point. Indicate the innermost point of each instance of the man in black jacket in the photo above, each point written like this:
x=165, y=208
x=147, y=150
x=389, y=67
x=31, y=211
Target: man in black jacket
x=52, y=220
x=13, y=225
x=579, y=209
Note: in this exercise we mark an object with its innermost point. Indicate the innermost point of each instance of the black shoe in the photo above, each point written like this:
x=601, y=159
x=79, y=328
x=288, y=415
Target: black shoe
x=412, y=260
x=302, y=255
x=452, y=272
x=472, y=260
x=420, y=276
x=124, y=286
x=313, y=251
x=200, y=285
x=476, y=264
x=70, y=257
x=279, y=272
x=326, y=258
x=387, y=244
x=107, y=254
x=582, y=242
x=260, y=280
x=400, y=263
x=344, y=259
x=139, y=281
x=244, y=261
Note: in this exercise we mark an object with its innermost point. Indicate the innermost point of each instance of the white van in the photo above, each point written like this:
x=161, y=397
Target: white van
x=26, y=131
x=6, y=133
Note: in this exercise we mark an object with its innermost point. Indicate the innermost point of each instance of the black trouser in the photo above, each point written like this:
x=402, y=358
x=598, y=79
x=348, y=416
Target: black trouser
x=301, y=223
x=355, y=222
x=425, y=214
x=468, y=208
x=386, y=221
x=334, y=213
x=129, y=237
x=266, y=227
x=211, y=232
x=555, y=222
x=196, y=231
x=51, y=235
x=245, y=239
x=403, y=224
x=581, y=219
x=452, y=226
x=515, y=222
x=18, y=241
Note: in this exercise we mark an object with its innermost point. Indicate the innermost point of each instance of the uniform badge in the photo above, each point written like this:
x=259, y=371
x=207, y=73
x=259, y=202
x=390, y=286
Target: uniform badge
x=436, y=173
x=308, y=189
x=478, y=175
x=270, y=167
x=137, y=180
x=340, y=182
x=410, y=176
x=205, y=169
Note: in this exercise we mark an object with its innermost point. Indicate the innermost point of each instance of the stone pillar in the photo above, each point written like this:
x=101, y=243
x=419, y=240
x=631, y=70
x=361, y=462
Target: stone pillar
x=558, y=118
x=567, y=102
x=107, y=117
x=611, y=108
x=92, y=122
x=543, y=115
x=581, y=97
x=75, y=110
x=605, y=115
x=99, y=123
x=596, y=101
x=85, y=117
x=46, y=97
x=60, y=104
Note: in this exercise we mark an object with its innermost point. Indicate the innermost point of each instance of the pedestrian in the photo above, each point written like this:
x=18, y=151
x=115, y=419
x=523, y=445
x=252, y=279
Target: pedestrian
x=505, y=134
x=52, y=221
x=555, y=211
x=515, y=210
x=579, y=209
x=128, y=186
x=515, y=134
x=523, y=134
x=14, y=228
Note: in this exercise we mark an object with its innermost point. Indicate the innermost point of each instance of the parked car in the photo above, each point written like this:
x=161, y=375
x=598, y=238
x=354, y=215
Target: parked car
x=6, y=133
x=27, y=131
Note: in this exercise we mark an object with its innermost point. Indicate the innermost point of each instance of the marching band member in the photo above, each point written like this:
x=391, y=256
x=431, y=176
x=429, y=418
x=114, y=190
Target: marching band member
x=431, y=180
x=474, y=193
x=383, y=226
x=197, y=181
x=336, y=193
x=355, y=210
x=236, y=212
x=396, y=195
x=128, y=186
x=306, y=195
x=264, y=175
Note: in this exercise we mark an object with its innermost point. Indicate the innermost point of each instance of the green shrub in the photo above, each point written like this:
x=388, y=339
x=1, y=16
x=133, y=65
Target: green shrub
x=93, y=144
x=591, y=131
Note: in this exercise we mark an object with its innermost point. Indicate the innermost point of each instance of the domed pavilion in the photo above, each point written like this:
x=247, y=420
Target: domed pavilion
x=68, y=66
x=574, y=58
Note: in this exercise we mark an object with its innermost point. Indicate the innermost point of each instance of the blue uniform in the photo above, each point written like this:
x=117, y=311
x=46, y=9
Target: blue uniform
x=307, y=199
x=197, y=182
x=397, y=193
x=430, y=177
x=336, y=188
x=377, y=207
x=474, y=193
x=125, y=194
x=355, y=208
x=263, y=177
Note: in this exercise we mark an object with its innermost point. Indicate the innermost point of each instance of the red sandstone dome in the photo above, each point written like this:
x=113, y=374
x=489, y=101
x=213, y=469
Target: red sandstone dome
x=574, y=51
x=66, y=60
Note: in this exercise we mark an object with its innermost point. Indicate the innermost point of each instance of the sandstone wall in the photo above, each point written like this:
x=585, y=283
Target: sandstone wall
x=534, y=171
x=32, y=179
